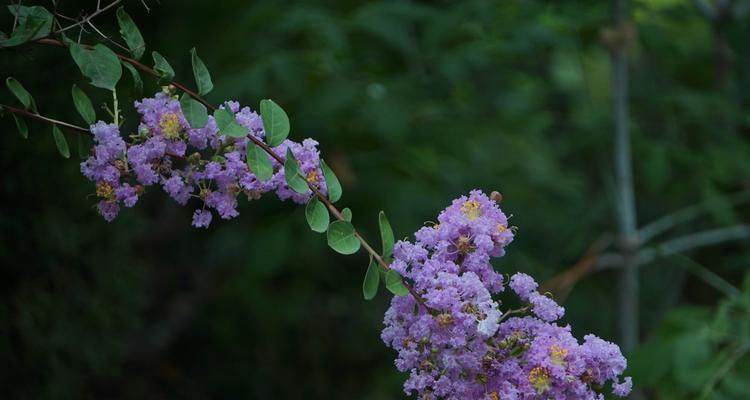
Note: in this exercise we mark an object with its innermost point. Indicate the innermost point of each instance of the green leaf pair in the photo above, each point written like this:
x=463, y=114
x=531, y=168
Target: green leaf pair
x=393, y=281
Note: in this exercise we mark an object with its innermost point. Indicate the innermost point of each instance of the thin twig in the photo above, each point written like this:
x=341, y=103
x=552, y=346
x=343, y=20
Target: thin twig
x=107, y=38
x=663, y=224
x=708, y=276
x=679, y=245
x=87, y=18
x=29, y=114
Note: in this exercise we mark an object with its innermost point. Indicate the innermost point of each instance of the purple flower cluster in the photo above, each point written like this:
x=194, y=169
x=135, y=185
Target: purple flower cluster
x=189, y=162
x=454, y=340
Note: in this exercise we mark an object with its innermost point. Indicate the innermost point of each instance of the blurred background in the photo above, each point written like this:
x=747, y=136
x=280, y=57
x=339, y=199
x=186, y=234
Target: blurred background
x=414, y=103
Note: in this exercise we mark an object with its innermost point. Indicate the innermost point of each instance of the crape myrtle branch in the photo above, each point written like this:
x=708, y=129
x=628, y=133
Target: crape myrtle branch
x=380, y=260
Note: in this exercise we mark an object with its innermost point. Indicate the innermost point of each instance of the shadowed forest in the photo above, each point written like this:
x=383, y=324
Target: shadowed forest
x=414, y=103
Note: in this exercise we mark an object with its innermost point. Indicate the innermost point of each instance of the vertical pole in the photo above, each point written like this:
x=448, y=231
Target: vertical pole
x=628, y=280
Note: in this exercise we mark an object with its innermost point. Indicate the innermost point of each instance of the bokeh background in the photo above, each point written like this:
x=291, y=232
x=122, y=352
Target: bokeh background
x=414, y=103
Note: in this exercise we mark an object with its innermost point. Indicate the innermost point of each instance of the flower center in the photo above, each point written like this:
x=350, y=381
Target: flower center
x=312, y=177
x=471, y=209
x=105, y=190
x=539, y=378
x=558, y=354
x=170, y=125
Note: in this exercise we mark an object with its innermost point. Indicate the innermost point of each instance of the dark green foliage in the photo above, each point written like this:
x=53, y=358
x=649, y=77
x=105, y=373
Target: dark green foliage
x=414, y=103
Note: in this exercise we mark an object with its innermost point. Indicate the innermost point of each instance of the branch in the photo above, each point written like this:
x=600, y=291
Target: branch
x=335, y=211
x=686, y=214
x=679, y=245
x=87, y=18
x=28, y=114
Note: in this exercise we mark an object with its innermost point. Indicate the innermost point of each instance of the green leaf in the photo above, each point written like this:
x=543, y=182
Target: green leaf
x=23, y=129
x=227, y=124
x=33, y=23
x=317, y=215
x=332, y=182
x=137, y=82
x=202, y=77
x=293, y=175
x=195, y=112
x=372, y=280
x=275, y=122
x=386, y=235
x=258, y=162
x=166, y=73
x=60, y=142
x=341, y=237
x=21, y=94
x=347, y=214
x=99, y=64
x=130, y=33
x=394, y=283
x=83, y=105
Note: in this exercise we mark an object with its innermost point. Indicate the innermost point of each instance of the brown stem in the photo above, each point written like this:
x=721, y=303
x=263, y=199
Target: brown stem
x=74, y=128
x=29, y=114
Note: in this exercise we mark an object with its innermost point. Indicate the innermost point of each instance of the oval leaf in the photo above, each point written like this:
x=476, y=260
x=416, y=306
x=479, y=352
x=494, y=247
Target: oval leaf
x=60, y=142
x=258, y=162
x=293, y=175
x=275, y=122
x=332, y=182
x=195, y=113
x=202, y=77
x=99, y=64
x=83, y=105
x=317, y=215
x=137, y=82
x=21, y=94
x=372, y=280
x=23, y=129
x=341, y=237
x=347, y=214
x=386, y=235
x=130, y=33
x=228, y=125
x=395, y=284
x=166, y=72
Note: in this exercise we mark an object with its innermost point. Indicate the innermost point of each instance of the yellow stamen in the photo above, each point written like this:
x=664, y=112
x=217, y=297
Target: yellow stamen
x=539, y=378
x=494, y=396
x=435, y=226
x=105, y=190
x=558, y=354
x=312, y=176
x=471, y=209
x=170, y=125
x=501, y=228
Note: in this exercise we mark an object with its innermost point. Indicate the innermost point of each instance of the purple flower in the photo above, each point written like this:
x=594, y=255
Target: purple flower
x=523, y=285
x=202, y=218
x=453, y=341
